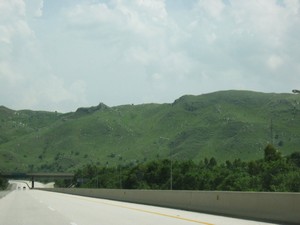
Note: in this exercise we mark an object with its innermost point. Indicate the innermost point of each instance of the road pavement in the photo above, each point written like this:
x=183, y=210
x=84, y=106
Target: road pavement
x=35, y=207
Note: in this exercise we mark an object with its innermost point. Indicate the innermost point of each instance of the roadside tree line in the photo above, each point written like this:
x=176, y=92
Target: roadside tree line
x=3, y=183
x=272, y=173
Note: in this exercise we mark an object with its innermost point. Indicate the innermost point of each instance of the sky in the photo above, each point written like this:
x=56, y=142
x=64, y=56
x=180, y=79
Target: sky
x=59, y=55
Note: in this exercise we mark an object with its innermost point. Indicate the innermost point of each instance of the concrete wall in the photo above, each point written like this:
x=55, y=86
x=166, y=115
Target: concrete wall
x=276, y=207
x=3, y=193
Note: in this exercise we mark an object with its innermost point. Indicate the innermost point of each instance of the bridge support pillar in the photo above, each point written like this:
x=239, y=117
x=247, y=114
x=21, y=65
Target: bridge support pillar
x=32, y=182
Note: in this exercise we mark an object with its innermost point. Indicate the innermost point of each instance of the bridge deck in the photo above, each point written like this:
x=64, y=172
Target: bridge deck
x=30, y=175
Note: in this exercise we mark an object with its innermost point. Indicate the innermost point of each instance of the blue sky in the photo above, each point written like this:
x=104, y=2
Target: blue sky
x=59, y=55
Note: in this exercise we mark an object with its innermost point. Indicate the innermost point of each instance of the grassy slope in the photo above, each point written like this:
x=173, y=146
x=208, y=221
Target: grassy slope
x=226, y=125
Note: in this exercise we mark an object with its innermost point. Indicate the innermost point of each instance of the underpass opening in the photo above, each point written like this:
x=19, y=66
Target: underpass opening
x=33, y=176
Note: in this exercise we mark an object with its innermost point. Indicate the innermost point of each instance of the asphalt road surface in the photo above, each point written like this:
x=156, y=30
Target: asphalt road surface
x=34, y=207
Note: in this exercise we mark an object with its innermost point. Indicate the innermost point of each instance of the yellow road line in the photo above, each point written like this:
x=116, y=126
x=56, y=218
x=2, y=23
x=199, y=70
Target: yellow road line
x=142, y=210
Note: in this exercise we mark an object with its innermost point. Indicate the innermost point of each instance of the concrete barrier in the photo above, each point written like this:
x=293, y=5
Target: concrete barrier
x=4, y=193
x=266, y=206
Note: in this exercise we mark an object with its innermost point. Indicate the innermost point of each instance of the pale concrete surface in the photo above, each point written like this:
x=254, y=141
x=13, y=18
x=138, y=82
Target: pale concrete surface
x=282, y=208
x=27, y=184
x=34, y=207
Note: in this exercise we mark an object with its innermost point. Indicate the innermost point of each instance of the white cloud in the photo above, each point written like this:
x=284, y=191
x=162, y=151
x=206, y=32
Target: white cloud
x=12, y=9
x=274, y=62
x=213, y=8
x=152, y=50
x=26, y=79
x=144, y=18
x=143, y=23
x=86, y=14
x=231, y=41
x=268, y=20
x=8, y=75
x=53, y=91
x=155, y=9
x=34, y=8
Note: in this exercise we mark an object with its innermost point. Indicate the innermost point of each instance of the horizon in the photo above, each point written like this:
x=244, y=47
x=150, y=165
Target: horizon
x=145, y=103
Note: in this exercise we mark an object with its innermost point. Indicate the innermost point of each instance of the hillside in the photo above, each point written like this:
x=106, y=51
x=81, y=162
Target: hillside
x=224, y=125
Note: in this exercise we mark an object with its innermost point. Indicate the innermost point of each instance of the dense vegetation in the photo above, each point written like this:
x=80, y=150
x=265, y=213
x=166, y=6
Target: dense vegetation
x=272, y=173
x=225, y=125
x=3, y=183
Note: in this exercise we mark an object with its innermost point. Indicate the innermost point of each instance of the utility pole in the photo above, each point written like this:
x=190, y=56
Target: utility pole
x=120, y=177
x=171, y=172
x=296, y=103
x=171, y=164
x=271, y=131
x=120, y=172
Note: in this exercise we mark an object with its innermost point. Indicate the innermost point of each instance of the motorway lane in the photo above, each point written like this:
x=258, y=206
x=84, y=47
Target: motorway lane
x=33, y=207
x=20, y=208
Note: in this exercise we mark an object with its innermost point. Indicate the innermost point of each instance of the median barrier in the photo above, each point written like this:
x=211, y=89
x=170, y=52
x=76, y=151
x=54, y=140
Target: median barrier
x=278, y=207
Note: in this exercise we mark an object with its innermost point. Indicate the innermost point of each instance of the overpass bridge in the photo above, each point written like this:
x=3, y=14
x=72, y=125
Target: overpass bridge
x=33, y=176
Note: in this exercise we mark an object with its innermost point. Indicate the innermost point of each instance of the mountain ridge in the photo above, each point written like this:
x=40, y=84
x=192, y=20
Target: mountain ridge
x=225, y=125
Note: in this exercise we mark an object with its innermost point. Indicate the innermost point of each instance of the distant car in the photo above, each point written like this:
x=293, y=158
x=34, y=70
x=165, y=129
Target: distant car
x=19, y=188
x=24, y=188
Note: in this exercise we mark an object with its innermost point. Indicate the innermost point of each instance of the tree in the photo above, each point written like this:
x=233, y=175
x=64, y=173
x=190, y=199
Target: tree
x=295, y=158
x=271, y=154
x=254, y=168
x=273, y=173
x=212, y=162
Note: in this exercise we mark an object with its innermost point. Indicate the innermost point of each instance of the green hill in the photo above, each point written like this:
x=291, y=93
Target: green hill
x=224, y=125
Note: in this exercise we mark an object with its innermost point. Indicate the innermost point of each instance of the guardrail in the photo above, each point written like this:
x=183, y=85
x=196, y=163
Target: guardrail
x=264, y=206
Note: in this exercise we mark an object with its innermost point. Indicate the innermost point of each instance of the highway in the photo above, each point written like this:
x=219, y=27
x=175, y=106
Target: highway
x=35, y=207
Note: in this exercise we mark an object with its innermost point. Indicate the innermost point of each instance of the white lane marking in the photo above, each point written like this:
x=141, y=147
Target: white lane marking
x=49, y=207
x=72, y=223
